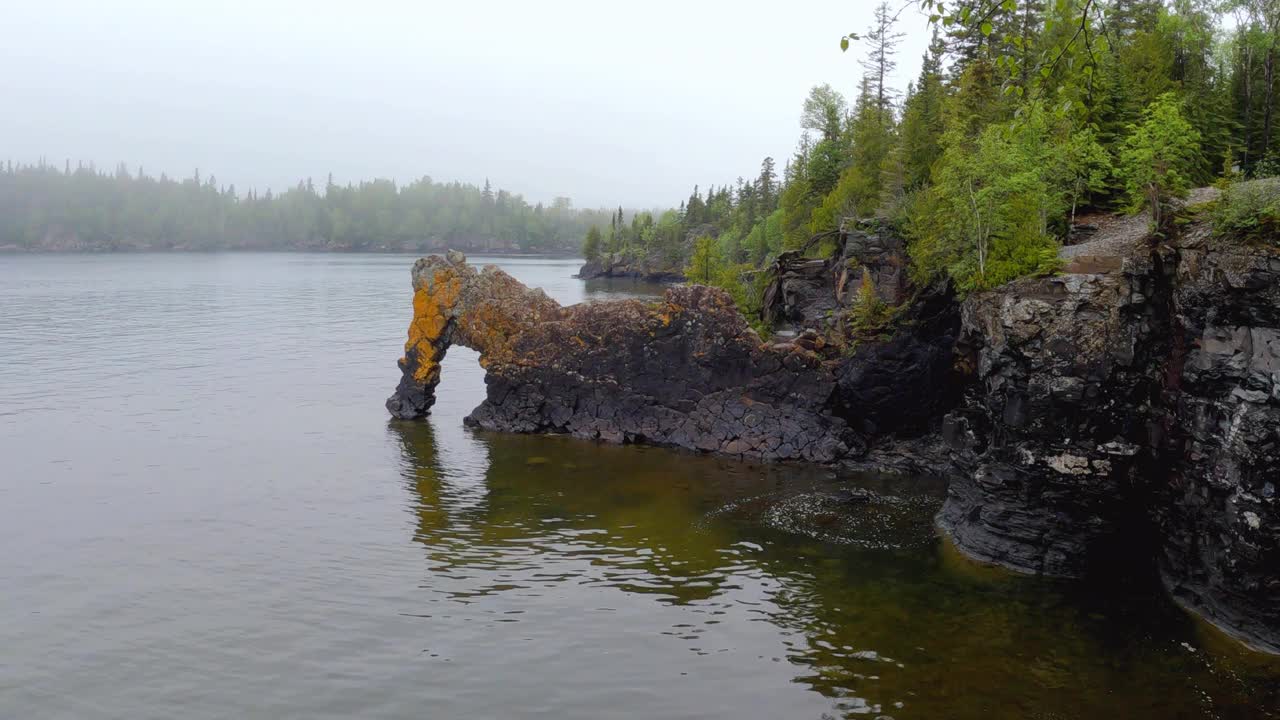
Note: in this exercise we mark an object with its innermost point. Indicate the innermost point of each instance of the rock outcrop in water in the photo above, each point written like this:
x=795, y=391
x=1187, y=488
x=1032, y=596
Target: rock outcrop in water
x=647, y=269
x=1123, y=413
x=686, y=371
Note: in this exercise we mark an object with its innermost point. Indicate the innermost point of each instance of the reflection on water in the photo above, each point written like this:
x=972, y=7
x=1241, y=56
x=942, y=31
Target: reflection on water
x=204, y=514
x=861, y=601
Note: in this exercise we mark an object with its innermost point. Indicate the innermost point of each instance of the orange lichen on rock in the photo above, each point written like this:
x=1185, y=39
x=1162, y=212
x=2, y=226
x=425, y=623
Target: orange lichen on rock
x=670, y=372
x=432, y=304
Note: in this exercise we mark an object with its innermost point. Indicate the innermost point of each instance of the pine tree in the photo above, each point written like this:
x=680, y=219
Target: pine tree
x=922, y=120
x=882, y=42
x=766, y=185
x=591, y=244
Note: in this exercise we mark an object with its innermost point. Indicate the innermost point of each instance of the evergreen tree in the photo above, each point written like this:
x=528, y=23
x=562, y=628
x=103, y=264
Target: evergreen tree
x=882, y=43
x=1158, y=156
x=591, y=244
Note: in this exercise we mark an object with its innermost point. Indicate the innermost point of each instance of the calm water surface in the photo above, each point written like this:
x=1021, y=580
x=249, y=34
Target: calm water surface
x=205, y=513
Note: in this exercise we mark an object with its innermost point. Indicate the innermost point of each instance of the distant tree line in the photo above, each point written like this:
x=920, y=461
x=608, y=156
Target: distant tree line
x=45, y=207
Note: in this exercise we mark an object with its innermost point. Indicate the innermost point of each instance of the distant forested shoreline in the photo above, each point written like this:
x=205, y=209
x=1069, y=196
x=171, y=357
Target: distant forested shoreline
x=46, y=208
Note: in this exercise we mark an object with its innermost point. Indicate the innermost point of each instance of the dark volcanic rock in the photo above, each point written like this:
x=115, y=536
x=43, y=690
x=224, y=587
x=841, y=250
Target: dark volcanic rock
x=1047, y=437
x=686, y=371
x=898, y=385
x=810, y=292
x=651, y=269
x=903, y=385
x=1123, y=415
x=1219, y=518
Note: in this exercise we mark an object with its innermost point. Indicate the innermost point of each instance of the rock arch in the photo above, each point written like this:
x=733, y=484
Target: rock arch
x=685, y=371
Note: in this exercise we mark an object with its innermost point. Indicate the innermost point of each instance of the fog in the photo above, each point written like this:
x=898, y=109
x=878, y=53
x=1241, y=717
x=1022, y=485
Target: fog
x=604, y=102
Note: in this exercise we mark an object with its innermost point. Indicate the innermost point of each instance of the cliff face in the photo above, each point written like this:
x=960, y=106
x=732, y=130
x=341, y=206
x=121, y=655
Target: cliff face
x=1125, y=410
x=1048, y=436
x=896, y=386
x=1219, y=514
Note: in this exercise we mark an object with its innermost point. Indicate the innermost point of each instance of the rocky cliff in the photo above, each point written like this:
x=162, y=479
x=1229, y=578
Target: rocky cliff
x=1129, y=409
x=1217, y=508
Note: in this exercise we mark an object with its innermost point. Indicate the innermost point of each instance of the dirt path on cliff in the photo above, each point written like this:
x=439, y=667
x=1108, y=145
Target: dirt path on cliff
x=1116, y=237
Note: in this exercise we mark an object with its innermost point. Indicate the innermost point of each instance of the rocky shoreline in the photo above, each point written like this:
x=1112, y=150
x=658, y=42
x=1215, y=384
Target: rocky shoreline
x=1124, y=412
x=649, y=270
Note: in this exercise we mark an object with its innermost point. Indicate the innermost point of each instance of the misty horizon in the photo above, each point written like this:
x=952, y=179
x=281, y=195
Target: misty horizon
x=608, y=110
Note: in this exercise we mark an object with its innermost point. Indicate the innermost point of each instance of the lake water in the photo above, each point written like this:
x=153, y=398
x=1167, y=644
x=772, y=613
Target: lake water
x=205, y=512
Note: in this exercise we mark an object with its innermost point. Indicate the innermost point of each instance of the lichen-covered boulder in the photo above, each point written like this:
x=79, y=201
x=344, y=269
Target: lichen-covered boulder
x=686, y=371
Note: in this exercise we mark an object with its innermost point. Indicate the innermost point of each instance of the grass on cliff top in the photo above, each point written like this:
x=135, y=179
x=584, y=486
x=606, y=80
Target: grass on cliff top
x=1250, y=212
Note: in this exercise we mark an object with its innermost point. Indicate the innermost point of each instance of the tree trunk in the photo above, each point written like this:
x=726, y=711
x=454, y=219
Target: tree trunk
x=1248, y=109
x=1268, y=75
x=1075, y=198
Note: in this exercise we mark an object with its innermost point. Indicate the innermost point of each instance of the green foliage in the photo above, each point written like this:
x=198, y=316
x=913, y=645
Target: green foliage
x=705, y=262
x=1082, y=168
x=746, y=285
x=1268, y=166
x=796, y=205
x=1157, y=158
x=1250, y=211
x=773, y=232
x=868, y=314
x=922, y=119
x=591, y=244
x=729, y=245
x=823, y=111
x=985, y=220
x=825, y=164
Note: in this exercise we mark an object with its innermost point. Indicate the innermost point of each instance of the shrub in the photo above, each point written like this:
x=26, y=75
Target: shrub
x=1250, y=211
x=868, y=312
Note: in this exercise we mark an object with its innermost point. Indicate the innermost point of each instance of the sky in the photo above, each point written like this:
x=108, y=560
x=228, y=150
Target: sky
x=609, y=104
